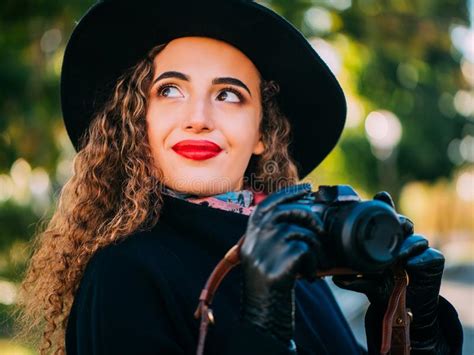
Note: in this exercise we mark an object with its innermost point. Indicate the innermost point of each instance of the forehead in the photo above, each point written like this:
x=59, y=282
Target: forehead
x=206, y=55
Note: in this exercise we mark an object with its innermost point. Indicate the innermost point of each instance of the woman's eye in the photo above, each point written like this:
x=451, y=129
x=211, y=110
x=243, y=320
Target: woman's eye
x=229, y=96
x=169, y=91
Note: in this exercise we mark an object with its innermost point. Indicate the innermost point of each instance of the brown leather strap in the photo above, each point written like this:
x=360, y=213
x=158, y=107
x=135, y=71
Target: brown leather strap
x=206, y=318
x=396, y=322
x=203, y=311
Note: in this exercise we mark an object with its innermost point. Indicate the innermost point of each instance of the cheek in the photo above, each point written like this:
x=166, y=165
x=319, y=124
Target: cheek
x=243, y=131
x=157, y=130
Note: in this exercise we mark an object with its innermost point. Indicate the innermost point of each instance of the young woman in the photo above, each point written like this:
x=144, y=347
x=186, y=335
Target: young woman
x=193, y=123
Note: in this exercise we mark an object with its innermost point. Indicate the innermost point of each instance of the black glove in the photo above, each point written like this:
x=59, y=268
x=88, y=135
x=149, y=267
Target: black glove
x=280, y=244
x=424, y=266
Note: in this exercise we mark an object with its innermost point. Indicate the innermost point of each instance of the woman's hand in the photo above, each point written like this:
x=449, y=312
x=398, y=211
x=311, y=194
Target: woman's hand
x=280, y=243
x=424, y=266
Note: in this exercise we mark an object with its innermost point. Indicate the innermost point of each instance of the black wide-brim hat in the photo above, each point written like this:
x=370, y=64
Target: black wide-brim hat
x=115, y=34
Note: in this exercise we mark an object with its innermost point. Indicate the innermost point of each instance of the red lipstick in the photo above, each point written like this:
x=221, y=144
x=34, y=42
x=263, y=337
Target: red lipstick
x=197, y=149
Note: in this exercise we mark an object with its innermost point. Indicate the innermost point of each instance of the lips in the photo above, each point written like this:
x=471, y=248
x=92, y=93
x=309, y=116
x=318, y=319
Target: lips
x=197, y=149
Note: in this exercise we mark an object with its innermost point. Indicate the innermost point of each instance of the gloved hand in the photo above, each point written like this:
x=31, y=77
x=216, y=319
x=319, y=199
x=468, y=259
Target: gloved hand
x=280, y=244
x=424, y=266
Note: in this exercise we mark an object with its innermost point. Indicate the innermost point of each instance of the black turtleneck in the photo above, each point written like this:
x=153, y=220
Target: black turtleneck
x=139, y=296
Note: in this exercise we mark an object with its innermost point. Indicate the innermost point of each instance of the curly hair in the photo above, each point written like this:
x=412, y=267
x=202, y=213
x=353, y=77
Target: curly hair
x=114, y=192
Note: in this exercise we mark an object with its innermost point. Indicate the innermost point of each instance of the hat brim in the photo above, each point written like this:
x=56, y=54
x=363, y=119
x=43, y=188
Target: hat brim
x=115, y=34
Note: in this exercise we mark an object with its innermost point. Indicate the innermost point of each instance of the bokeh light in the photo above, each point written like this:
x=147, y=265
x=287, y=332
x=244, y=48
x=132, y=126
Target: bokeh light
x=355, y=112
x=51, y=40
x=328, y=53
x=463, y=38
x=407, y=75
x=466, y=148
x=446, y=105
x=384, y=131
x=8, y=292
x=318, y=19
x=465, y=186
x=340, y=5
x=454, y=152
x=6, y=187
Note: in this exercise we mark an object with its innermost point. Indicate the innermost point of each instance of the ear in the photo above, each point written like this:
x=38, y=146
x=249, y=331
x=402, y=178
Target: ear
x=259, y=148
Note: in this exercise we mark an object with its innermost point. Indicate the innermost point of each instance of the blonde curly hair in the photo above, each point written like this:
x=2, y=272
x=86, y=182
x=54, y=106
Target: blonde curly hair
x=114, y=192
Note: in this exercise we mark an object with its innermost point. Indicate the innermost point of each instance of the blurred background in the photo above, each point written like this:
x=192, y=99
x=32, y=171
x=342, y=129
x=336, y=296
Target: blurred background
x=406, y=66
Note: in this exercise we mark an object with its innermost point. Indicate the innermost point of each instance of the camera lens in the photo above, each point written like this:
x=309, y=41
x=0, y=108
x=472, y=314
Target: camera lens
x=371, y=235
x=378, y=236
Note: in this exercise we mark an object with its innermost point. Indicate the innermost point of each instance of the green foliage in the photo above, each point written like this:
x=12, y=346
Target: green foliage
x=408, y=67
x=6, y=325
x=30, y=61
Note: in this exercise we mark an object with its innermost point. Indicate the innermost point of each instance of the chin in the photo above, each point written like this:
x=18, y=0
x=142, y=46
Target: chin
x=201, y=185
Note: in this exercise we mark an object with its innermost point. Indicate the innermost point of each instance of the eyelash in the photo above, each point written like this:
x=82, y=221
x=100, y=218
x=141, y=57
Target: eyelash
x=227, y=88
x=234, y=91
x=161, y=87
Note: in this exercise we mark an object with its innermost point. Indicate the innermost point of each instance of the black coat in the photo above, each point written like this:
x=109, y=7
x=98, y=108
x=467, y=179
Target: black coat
x=139, y=296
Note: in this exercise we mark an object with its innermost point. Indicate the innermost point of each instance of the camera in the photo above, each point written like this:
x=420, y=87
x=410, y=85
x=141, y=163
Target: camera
x=362, y=236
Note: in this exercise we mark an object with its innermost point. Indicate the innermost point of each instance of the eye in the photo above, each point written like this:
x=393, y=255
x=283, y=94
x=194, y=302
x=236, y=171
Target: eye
x=167, y=90
x=230, y=95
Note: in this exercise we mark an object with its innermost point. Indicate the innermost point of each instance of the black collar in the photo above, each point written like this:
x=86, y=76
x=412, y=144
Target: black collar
x=216, y=230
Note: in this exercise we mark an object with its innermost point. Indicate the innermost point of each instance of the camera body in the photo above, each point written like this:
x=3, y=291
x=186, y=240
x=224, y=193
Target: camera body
x=363, y=236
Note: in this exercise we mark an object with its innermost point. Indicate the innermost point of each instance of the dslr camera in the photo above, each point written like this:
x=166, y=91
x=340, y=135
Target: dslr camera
x=359, y=236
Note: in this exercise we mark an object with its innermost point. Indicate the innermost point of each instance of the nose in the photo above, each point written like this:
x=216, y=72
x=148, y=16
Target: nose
x=198, y=117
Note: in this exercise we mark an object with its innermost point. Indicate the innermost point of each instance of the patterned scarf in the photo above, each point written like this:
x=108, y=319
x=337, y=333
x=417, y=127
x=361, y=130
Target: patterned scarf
x=242, y=201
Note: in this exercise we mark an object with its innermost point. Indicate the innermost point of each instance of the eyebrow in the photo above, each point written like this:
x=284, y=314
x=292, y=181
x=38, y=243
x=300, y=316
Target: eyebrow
x=231, y=81
x=215, y=81
x=172, y=74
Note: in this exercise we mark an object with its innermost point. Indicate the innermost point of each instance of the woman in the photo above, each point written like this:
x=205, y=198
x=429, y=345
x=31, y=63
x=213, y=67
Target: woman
x=181, y=131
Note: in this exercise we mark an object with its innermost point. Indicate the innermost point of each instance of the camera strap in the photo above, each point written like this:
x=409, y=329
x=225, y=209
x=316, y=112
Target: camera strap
x=396, y=321
x=204, y=311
